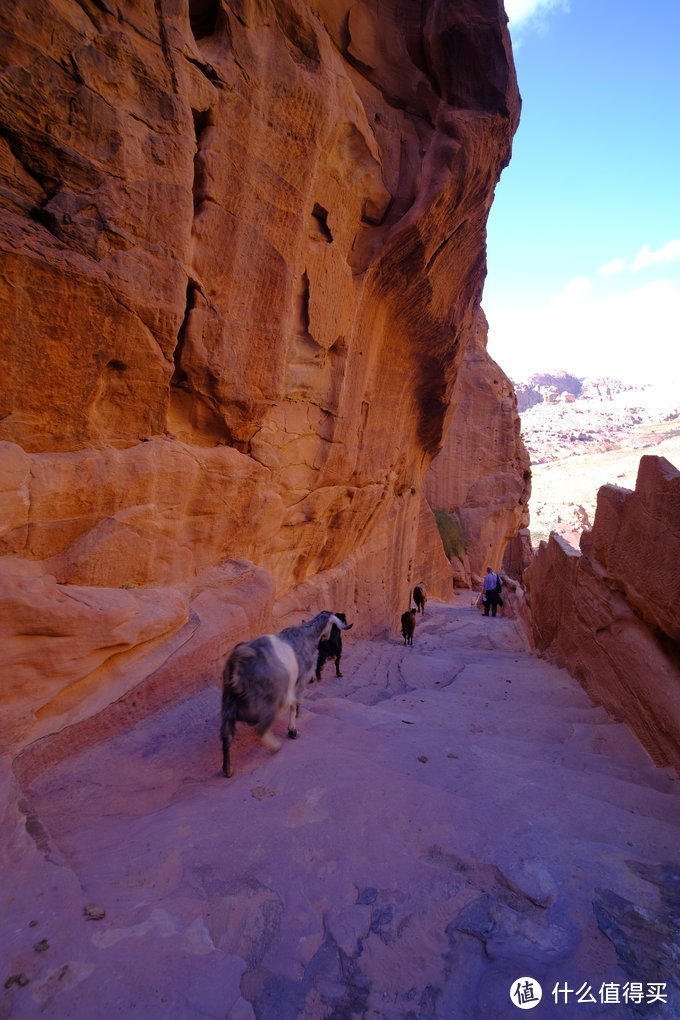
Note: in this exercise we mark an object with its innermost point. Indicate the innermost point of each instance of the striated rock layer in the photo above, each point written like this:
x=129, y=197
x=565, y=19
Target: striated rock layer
x=610, y=613
x=243, y=247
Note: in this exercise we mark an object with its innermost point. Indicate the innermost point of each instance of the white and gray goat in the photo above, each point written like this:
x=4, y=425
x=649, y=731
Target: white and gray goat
x=265, y=676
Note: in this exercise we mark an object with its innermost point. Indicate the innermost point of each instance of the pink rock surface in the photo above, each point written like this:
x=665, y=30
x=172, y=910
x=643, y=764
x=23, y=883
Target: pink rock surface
x=435, y=833
x=482, y=473
x=636, y=538
x=609, y=613
x=89, y=661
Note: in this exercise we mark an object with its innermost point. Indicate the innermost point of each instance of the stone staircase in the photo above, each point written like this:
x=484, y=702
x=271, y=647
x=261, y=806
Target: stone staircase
x=456, y=816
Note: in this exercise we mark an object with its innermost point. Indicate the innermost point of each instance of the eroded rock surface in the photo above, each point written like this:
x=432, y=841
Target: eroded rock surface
x=610, y=613
x=483, y=474
x=242, y=252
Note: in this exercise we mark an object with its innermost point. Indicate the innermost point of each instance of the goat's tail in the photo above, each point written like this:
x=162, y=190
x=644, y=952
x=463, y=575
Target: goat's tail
x=232, y=671
x=233, y=691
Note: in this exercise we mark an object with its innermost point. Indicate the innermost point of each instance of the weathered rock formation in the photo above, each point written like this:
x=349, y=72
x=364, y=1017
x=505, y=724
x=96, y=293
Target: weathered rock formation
x=556, y=387
x=482, y=474
x=243, y=247
x=610, y=613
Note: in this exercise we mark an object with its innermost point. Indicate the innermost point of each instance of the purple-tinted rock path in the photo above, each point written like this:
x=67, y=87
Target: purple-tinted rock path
x=455, y=815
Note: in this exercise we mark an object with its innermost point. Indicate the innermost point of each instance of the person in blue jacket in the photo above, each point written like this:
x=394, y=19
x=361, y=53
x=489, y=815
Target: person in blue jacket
x=491, y=593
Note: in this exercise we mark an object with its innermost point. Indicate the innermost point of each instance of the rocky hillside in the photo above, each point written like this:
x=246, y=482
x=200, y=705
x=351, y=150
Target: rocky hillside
x=576, y=445
x=561, y=388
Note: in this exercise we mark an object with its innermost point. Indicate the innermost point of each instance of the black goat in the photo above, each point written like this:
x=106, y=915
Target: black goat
x=330, y=648
x=408, y=626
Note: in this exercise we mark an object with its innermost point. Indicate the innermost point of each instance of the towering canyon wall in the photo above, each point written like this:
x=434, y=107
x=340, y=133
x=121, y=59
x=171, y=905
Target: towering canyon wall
x=243, y=247
x=610, y=613
x=482, y=475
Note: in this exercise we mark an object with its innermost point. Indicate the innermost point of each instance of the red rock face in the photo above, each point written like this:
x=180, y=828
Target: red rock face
x=242, y=249
x=482, y=474
x=609, y=613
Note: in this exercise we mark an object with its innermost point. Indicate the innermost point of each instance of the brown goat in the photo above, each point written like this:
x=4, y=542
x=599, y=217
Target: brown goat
x=408, y=626
x=420, y=596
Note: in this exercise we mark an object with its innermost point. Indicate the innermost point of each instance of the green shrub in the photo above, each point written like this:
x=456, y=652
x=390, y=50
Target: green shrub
x=450, y=533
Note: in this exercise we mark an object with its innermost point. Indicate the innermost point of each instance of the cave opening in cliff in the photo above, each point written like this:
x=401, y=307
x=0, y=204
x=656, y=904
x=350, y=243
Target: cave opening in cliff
x=303, y=306
x=320, y=223
x=179, y=376
x=203, y=17
x=202, y=121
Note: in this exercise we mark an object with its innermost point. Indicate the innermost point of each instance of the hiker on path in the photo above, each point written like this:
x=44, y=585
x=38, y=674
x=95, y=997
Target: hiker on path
x=491, y=594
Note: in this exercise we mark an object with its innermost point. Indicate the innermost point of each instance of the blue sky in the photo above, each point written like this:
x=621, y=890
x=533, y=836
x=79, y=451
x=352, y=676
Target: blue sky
x=584, y=232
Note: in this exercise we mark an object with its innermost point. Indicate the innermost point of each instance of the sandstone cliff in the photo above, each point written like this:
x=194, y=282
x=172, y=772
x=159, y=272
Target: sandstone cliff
x=243, y=247
x=483, y=473
x=610, y=613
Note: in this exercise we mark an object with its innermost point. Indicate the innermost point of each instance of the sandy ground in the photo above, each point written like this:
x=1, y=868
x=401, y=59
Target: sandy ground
x=455, y=816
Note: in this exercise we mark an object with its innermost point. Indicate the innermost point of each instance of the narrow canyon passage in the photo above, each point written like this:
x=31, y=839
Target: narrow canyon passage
x=455, y=816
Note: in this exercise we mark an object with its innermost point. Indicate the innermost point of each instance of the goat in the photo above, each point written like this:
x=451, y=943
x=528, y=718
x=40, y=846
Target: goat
x=420, y=596
x=330, y=648
x=408, y=626
x=265, y=676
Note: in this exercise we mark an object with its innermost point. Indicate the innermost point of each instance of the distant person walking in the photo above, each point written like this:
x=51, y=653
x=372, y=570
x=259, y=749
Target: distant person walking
x=491, y=594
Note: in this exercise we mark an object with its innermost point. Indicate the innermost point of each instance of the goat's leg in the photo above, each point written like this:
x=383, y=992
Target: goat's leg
x=294, y=712
x=227, y=734
x=270, y=741
x=264, y=728
x=337, y=666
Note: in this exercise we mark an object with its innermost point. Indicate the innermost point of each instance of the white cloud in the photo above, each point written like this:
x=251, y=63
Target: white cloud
x=633, y=335
x=575, y=292
x=521, y=11
x=669, y=253
x=613, y=267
